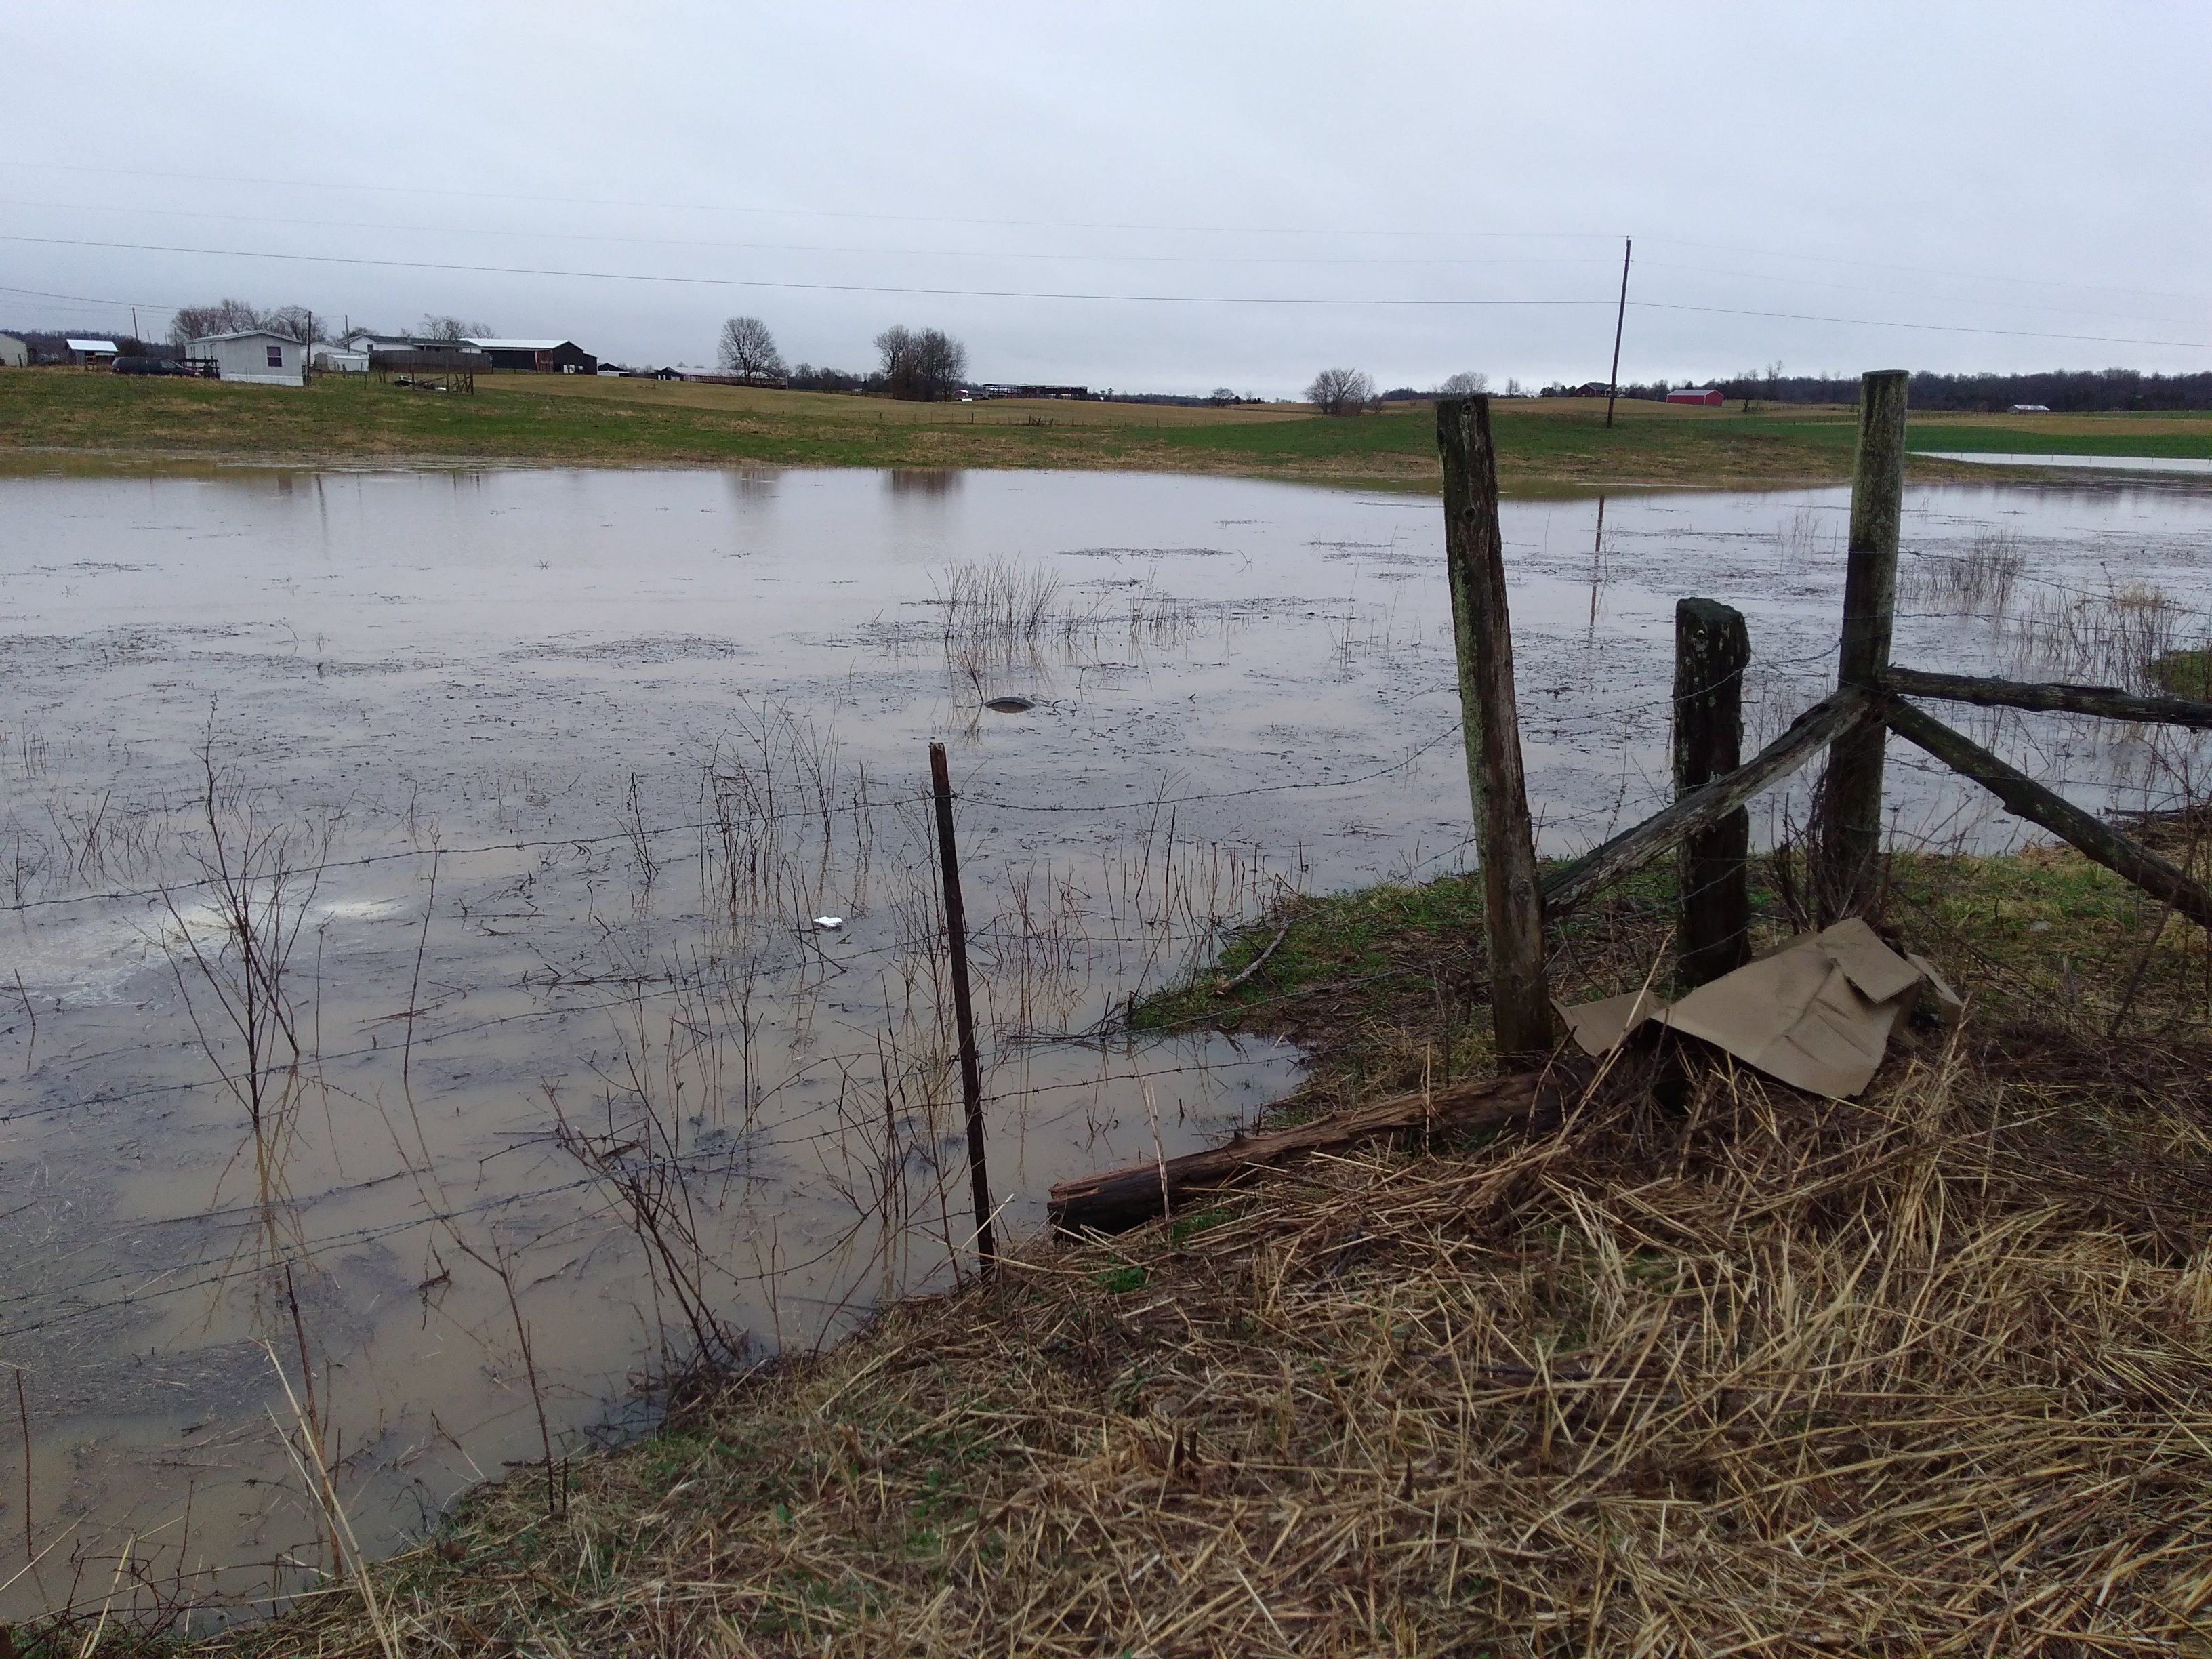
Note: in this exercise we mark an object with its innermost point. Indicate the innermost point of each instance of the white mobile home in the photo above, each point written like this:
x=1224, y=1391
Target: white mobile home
x=14, y=353
x=254, y=355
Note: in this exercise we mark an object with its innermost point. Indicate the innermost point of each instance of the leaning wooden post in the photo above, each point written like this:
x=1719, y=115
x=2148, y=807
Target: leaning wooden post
x=1474, y=554
x=964, y=1008
x=1711, y=649
x=1849, y=837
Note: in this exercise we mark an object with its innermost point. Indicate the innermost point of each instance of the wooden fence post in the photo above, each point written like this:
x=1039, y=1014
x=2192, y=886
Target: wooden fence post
x=1850, y=839
x=1711, y=648
x=964, y=1008
x=1520, y=999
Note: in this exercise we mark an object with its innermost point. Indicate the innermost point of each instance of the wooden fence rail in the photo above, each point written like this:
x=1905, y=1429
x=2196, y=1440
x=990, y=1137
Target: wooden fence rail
x=2105, y=702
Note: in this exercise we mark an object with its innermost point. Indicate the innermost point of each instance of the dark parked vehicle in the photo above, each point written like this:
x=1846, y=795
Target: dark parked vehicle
x=156, y=366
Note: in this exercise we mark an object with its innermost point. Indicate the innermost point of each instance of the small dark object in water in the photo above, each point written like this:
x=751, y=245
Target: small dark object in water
x=1009, y=705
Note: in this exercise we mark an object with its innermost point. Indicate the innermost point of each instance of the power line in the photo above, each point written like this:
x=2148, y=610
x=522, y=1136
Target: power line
x=755, y=282
x=1409, y=302
x=325, y=186
x=1909, y=293
x=816, y=247
x=1932, y=270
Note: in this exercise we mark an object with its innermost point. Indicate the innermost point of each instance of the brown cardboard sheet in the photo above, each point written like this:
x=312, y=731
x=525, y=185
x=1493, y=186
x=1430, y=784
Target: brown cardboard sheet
x=1816, y=1014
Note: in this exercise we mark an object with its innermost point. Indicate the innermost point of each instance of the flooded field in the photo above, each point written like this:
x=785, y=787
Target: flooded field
x=472, y=938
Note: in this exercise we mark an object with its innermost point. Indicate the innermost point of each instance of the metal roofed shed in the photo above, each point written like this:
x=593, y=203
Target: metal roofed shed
x=254, y=355
x=1710, y=396
x=537, y=356
x=87, y=352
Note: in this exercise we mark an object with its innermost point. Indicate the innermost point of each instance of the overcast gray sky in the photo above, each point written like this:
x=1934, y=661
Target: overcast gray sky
x=1168, y=197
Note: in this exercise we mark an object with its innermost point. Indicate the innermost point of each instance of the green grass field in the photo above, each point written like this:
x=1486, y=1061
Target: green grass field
x=1546, y=446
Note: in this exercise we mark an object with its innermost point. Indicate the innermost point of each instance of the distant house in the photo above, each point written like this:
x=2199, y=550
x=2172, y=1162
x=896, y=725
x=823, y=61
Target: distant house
x=254, y=355
x=1707, y=395
x=2030, y=408
x=14, y=352
x=1070, y=392
x=537, y=356
x=1591, y=389
x=86, y=353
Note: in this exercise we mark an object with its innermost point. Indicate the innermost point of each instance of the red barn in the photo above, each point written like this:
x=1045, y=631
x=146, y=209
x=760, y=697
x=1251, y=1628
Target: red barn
x=1709, y=396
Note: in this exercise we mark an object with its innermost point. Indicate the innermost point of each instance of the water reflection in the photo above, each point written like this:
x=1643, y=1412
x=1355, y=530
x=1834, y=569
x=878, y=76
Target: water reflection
x=927, y=483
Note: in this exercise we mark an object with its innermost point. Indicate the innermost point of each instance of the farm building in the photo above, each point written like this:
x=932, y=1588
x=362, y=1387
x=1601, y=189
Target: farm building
x=2029, y=409
x=254, y=355
x=339, y=360
x=537, y=356
x=87, y=353
x=14, y=352
x=1709, y=396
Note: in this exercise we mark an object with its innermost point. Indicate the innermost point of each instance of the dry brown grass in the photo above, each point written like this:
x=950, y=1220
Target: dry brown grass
x=1714, y=1368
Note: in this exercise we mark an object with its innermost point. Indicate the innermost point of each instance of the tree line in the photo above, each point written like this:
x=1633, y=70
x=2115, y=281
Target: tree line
x=2102, y=391
x=2063, y=391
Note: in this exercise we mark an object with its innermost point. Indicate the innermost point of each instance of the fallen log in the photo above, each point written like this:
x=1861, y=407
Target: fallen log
x=1121, y=1199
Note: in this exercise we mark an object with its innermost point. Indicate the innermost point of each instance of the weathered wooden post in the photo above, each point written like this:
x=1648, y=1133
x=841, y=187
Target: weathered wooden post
x=963, y=1007
x=1711, y=649
x=1850, y=839
x=1474, y=554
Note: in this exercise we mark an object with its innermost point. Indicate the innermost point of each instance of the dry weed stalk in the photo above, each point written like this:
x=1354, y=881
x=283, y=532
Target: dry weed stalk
x=1752, y=1371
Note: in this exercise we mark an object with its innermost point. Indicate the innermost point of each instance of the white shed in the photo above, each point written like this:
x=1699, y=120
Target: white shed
x=254, y=355
x=15, y=353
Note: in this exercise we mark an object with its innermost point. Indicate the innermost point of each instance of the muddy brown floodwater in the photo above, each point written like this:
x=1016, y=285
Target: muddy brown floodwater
x=412, y=878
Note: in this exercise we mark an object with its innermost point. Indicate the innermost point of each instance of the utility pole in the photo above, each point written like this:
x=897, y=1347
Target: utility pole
x=1613, y=385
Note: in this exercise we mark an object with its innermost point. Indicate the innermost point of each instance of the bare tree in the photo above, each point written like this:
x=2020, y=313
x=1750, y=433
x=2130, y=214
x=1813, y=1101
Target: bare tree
x=1468, y=383
x=1223, y=395
x=1341, y=390
x=225, y=316
x=924, y=367
x=294, y=323
x=749, y=349
x=452, y=328
x=235, y=316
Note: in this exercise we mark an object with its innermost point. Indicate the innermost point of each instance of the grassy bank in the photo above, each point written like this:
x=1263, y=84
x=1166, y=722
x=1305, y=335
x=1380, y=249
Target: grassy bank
x=1711, y=1367
x=49, y=415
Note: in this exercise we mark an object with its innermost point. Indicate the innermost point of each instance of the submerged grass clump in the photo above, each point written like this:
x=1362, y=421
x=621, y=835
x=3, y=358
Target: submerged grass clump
x=1977, y=583
x=1747, y=1370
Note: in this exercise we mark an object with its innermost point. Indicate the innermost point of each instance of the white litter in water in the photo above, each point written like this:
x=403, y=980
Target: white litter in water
x=829, y=924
